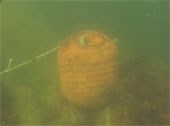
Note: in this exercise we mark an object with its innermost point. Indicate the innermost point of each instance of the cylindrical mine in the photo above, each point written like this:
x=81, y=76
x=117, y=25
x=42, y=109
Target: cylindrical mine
x=88, y=68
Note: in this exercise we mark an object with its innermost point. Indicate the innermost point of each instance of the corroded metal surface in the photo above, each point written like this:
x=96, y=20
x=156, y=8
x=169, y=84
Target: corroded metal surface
x=88, y=68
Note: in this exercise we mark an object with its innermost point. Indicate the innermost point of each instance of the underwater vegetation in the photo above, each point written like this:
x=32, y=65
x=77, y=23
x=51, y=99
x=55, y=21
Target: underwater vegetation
x=144, y=93
x=141, y=98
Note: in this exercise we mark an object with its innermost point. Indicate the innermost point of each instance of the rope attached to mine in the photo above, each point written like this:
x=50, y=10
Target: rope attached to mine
x=9, y=68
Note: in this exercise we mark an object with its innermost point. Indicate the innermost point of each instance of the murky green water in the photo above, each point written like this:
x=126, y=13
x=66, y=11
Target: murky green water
x=31, y=94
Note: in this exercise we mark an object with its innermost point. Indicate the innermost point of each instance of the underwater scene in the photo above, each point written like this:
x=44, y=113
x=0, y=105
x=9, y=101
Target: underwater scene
x=84, y=63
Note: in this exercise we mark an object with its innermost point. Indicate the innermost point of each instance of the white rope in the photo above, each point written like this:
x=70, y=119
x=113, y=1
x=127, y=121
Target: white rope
x=9, y=68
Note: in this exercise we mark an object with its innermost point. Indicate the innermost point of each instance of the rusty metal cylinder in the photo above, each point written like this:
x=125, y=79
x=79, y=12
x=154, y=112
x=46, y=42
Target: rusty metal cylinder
x=88, y=68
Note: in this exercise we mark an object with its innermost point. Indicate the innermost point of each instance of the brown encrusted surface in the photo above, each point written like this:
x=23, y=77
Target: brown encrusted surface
x=88, y=68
